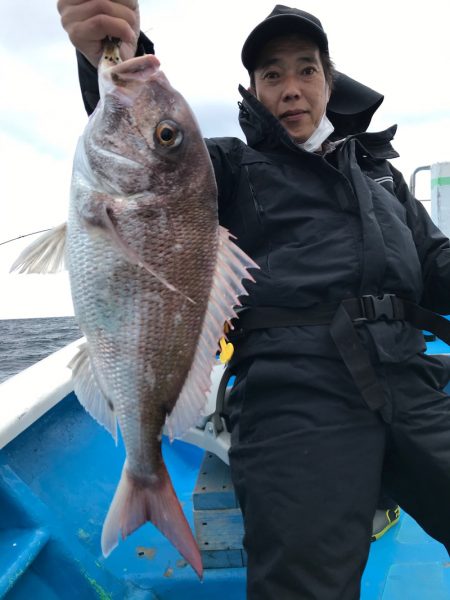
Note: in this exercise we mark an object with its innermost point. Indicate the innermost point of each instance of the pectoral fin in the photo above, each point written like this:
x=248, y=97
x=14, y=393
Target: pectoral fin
x=105, y=220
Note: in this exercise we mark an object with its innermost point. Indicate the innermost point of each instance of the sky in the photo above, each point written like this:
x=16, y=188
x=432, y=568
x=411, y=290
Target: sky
x=400, y=49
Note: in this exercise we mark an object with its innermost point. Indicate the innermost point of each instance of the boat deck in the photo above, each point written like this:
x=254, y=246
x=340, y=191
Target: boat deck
x=57, y=478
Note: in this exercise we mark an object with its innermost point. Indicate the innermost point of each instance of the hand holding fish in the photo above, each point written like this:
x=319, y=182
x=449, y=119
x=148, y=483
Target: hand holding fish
x=88, y=22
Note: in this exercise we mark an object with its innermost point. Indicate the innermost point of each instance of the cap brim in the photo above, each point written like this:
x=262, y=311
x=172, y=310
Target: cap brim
x=273, y=27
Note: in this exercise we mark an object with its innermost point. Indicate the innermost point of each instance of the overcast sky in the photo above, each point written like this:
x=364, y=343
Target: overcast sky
x=400, y=49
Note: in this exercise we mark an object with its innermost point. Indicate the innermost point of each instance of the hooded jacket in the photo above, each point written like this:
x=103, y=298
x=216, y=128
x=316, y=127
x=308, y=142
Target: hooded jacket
x=322, y=228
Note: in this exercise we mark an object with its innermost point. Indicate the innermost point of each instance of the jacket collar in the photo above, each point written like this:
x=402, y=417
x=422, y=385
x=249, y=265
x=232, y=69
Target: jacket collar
x=377, y=144
x=261, y=129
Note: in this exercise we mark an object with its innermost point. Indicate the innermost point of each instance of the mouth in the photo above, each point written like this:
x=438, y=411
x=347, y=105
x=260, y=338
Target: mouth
x=141, y=68
x=293, y=115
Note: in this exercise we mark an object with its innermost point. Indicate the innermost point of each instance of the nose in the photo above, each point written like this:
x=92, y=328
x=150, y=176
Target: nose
x=292, y=89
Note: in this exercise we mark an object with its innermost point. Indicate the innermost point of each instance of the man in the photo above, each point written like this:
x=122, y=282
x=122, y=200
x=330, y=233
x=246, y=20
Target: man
x=332, y=386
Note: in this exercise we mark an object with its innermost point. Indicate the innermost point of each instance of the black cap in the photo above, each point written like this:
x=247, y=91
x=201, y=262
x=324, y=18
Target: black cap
x=281, y=21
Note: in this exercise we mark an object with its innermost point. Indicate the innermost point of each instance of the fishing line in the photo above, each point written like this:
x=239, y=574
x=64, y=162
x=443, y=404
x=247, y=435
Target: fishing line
x=23, y=236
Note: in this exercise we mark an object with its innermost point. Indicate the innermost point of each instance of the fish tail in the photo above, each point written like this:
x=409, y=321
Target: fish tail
x=136, y=502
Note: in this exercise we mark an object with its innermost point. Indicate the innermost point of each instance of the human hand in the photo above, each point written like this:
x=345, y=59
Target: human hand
x=88, y=22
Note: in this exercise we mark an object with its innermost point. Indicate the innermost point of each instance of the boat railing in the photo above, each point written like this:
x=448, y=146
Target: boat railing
x=413, y=180
x=25, y=397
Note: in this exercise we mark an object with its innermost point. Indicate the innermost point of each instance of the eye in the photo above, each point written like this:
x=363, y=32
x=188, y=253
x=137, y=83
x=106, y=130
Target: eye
x=309, y=71
x=271, y=75
x=168, y=134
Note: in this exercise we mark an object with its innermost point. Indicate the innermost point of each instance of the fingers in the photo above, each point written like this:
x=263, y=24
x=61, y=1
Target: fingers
x=99, y=14
x=133, y=4
x=96, y=28
x=87, y=22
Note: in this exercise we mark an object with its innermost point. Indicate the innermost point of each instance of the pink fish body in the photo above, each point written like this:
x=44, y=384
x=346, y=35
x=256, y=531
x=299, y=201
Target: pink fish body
x=153, y=278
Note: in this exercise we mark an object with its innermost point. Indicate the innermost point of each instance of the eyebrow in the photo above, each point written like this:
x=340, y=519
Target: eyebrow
x=274, y=61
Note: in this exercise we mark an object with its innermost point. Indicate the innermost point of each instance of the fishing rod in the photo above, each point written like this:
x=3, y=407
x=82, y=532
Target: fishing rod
x=23, y=236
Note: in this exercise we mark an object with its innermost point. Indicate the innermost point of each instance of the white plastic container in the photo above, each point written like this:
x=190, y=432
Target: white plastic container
x=440, y=196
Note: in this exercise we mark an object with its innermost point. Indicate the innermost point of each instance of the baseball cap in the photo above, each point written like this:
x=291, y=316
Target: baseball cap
x=281, y=21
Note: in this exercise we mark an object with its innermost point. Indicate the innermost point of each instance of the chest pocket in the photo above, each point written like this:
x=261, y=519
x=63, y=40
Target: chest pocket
x=292, y=201
x=247, y=221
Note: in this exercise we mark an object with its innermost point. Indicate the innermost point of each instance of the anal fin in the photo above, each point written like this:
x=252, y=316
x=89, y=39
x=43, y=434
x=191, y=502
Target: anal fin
x=88, y=392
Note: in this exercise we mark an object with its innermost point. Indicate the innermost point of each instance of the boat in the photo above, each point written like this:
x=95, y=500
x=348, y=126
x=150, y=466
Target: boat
x=58, y=473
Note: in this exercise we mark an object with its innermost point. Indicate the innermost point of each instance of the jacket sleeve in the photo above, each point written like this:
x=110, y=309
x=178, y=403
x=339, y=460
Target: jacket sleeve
x=87, y=74
x=433, y=248
x=225, y=154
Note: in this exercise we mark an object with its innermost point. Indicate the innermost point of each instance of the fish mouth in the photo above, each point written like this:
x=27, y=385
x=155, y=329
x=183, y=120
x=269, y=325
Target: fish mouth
x=141, y=68
x=124, y=81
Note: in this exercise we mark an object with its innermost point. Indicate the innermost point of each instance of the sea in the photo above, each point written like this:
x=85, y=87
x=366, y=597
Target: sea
x=24, y=342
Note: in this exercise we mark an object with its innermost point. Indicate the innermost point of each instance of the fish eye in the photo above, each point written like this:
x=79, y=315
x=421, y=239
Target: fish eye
x=168, y=134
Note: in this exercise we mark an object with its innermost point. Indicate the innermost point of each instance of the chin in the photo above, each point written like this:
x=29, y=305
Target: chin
x=298, y=137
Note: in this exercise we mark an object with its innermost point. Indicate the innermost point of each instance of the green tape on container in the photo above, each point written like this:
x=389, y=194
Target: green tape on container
x=440, y=181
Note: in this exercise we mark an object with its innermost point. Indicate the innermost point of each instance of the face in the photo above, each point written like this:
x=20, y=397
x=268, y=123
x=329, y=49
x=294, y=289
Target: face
x=290, y=82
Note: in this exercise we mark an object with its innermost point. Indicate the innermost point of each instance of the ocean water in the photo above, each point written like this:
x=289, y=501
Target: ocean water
x=26, y=341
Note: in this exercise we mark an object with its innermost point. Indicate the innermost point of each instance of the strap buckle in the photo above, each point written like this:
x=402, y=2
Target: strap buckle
x=375, y=308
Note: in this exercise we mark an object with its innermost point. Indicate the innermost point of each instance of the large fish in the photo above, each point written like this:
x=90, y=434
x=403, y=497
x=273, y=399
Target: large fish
x=153, y=278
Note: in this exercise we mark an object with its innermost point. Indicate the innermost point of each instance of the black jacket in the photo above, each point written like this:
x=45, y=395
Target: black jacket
x=322, y=228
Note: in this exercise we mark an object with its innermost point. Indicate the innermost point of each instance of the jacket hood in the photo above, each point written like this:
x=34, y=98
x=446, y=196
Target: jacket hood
x=352, y=105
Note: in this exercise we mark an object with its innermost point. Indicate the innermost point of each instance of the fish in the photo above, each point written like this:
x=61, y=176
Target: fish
x=153, y=278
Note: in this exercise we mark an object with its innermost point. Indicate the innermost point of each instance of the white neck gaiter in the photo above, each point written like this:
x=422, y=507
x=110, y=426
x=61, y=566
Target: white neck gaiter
x=320, y=134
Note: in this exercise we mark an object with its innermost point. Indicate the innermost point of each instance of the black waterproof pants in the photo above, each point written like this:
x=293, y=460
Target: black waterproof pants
x=307, y=460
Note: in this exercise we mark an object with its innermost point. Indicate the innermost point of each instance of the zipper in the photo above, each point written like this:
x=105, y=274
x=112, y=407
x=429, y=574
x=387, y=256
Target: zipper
x=258, y=208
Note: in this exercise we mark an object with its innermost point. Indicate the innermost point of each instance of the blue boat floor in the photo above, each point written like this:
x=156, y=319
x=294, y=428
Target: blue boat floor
x=65, y=491
x=406, y=564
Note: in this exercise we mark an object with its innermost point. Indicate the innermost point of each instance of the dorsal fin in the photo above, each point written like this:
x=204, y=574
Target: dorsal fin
x=231, y=268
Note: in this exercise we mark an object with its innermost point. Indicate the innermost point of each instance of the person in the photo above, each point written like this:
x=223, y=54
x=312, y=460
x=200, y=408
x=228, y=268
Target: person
x=334, y=395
